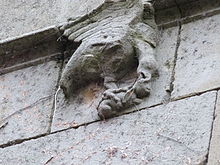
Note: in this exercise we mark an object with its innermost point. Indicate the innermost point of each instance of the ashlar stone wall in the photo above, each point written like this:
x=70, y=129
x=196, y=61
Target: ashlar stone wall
x=177, y=124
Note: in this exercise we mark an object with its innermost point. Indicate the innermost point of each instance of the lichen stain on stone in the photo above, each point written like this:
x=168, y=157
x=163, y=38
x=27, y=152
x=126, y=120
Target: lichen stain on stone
x=91, y=92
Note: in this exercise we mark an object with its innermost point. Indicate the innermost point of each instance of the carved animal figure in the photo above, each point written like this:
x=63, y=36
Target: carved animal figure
x=113, y=37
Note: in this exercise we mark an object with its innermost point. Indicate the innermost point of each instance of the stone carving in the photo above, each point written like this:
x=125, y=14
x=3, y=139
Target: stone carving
x=113, y=38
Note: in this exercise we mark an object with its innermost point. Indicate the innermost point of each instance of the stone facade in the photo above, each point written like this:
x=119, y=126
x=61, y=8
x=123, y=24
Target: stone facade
x=177, y=124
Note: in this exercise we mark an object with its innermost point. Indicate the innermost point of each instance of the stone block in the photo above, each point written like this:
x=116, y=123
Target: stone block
x=22, y=90
x=28, y=122
x=198, y=7
x=214, y=151
x=79, y=110
x=164, y=52
x=176, y=133
x=24, y=87
x=198, y=65
x=21, y=16
x=82, y=109
x=167, y=15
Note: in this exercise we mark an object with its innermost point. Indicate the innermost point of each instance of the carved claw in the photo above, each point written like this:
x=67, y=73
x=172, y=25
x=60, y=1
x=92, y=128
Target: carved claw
x=106, y=109
x=112, y=102
x=116, y=100
x=110, y=41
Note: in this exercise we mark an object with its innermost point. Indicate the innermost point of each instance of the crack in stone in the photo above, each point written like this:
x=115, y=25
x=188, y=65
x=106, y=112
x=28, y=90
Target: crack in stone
x=194, y=94
x=56, y=93
x=190, y=18
x=49, y=160
x=26, y=108
x=3, y=125
x=19, y=141
x=176, y=53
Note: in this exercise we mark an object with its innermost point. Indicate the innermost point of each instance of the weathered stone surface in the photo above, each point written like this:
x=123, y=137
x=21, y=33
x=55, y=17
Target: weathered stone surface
x=214, y=151
x=29, y=47
x=109, y=51
x=196, y=7
x=176, y=133
x=20, y=91
x=22, y=88
x=167, y=15
x=28, y=122
x=21, y=17
x=25, y=16
x=189, y=10
x=198, y=64
x=77, y=112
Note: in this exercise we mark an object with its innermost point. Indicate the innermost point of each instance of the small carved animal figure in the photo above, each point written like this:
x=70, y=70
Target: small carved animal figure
x=113, y=37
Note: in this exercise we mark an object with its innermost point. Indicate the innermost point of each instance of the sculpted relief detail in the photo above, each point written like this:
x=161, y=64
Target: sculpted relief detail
x=115, y=38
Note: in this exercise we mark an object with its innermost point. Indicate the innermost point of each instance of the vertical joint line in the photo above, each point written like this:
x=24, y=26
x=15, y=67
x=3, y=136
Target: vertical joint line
x=179, y=8
x=175, y=57
x=171, y=87
x=212, y=126
x=56, y=93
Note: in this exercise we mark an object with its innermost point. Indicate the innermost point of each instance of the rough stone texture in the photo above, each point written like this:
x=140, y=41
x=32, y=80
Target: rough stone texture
x=164, y=4
x=198, y=62
x=214, y=151
x=110, y=51
x=164, y=52
x=167, y=15
x=28, y=122
x=201, y=6
x=29, y=47
x=20, y=91
x=176, y=133
x=83, y=109
x=168, y=12
x=80, y=110
x=20, y=16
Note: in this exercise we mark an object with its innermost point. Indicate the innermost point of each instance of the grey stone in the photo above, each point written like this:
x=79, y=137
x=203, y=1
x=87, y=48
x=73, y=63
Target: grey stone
x=198, y=62
x=83, y=108
x=28, y=48
x=167, y=15
x=77, y=111
x=176, y=133
x=164, y=4
x=196, y=7
x=214, y=151
x=31, y=121
x=21, y=17
x=24, y=90
x=115, y=38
